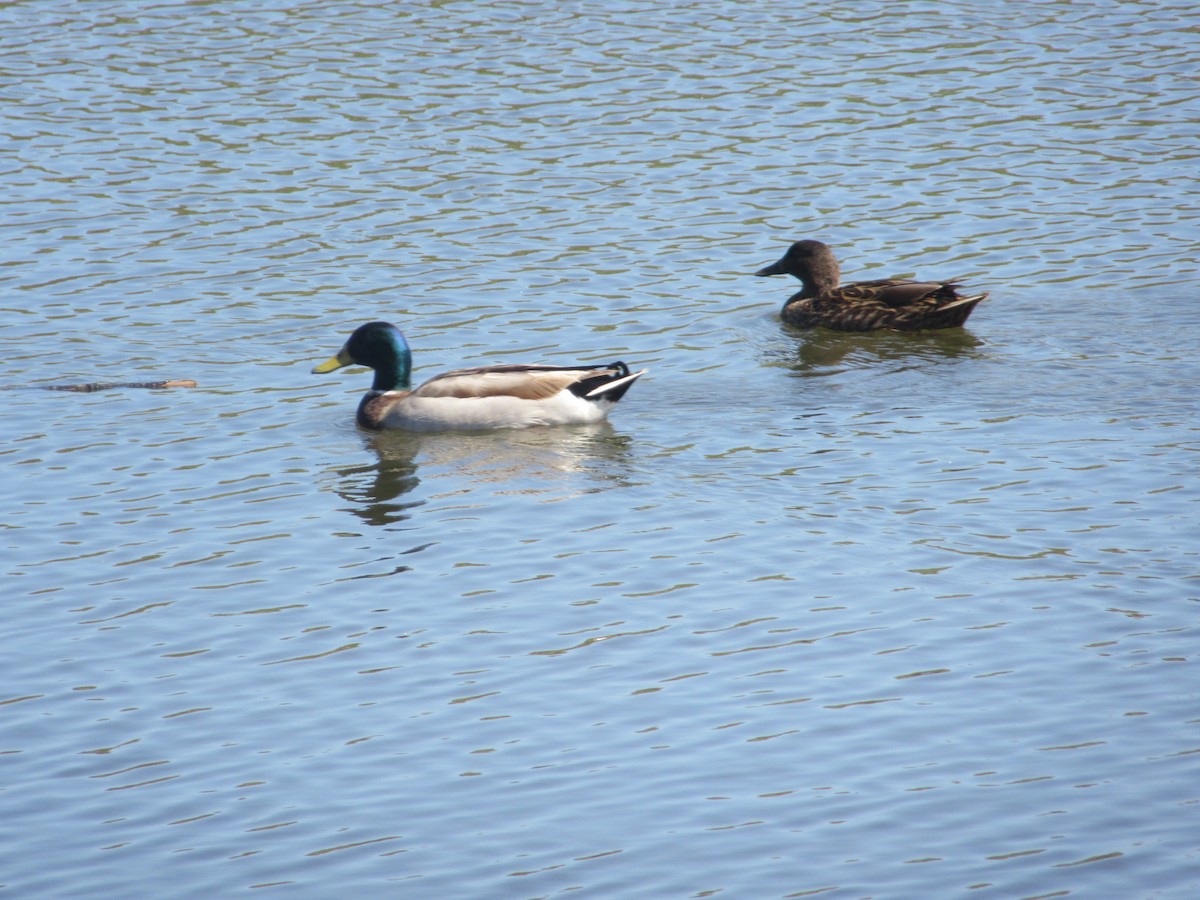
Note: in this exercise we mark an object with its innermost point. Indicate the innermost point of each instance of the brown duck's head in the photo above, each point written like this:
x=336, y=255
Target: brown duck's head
x=812, y=262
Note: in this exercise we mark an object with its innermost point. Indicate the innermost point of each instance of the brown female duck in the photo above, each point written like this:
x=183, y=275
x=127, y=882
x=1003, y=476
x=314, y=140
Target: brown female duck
x=864, y=305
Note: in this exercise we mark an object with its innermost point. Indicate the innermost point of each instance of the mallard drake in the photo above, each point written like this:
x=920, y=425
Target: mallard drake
x=508, y=396
x=864, y=305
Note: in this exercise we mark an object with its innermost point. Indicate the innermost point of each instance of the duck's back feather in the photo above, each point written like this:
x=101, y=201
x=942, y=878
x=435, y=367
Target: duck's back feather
x=894, y=293
x=528, y=382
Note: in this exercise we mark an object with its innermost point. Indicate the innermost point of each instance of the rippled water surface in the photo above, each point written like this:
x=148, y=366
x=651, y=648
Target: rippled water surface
x=816, y=614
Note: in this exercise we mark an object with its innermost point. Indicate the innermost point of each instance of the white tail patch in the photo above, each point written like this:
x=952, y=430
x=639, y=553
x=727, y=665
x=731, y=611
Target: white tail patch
x=963, y=300
x=610, y=386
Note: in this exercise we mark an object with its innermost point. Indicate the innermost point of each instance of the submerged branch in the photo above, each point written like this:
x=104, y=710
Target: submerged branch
x=89, y=386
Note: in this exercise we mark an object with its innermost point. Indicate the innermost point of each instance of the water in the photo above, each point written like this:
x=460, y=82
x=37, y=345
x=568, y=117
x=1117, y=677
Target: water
x=814, y=615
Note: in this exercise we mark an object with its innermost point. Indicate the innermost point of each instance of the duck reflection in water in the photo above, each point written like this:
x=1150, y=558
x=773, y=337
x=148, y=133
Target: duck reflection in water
x=557, y=461
x=376, y=491
x=821, y=353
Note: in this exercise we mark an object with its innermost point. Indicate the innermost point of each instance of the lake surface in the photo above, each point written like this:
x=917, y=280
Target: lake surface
x=815, y=614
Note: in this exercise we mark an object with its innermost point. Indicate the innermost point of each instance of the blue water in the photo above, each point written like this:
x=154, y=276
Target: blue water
x=815, y=614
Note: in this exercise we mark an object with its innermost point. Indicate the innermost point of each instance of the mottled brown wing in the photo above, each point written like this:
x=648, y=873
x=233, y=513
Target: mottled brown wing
x=895, y=293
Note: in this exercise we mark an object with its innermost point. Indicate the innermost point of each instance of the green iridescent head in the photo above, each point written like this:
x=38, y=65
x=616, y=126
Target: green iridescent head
x=380, y=346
